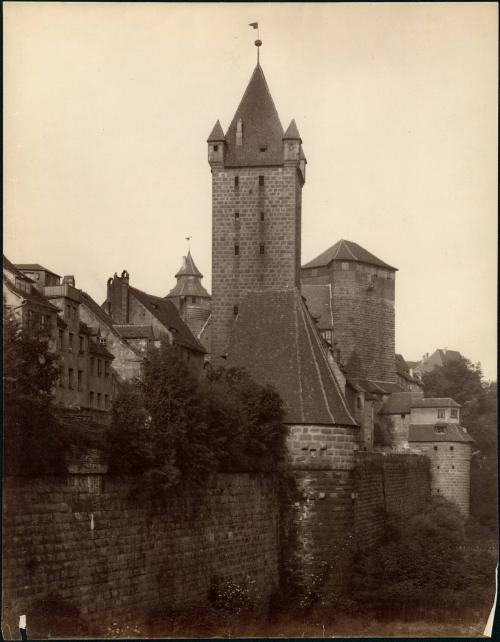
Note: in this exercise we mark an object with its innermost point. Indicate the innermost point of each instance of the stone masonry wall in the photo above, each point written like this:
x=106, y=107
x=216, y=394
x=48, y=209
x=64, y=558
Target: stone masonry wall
x=450, y=471
x=391, y=483
x=250, y=216
x=87, y=540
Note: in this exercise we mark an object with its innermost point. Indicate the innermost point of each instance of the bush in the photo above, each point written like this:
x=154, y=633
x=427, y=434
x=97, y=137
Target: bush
x=423, y=566
x=171, y=426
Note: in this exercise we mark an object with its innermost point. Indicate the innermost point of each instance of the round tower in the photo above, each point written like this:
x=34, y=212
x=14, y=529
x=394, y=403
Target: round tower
x=190, y=297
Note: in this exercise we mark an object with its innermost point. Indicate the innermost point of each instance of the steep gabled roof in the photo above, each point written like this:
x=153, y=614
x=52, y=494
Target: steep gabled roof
x=346, y=251
x=448, y=432
x=166, y=312
x=275, y=339
x=34, y=296
x=261, y=127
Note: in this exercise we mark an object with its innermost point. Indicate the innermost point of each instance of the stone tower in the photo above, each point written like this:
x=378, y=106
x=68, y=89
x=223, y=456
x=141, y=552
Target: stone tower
x=258, y=171
x=189, y=296
x=362, y=290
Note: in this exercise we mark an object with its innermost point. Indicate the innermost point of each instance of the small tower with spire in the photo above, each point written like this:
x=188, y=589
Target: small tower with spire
x=189, y=296
x=258, y=171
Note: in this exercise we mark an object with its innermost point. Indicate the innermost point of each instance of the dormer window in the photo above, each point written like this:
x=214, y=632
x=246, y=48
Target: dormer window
x=239, y=132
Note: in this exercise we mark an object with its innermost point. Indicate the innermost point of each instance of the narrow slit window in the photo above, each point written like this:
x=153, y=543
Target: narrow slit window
x=261, y=249
x=262, y=216
x=236, y=215
x=236, y=181
x=261, y=181
x=235, y=310
x=236, y=250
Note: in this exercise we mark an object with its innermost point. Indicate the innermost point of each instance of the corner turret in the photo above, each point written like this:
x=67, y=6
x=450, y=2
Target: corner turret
x=292, y=149
x=216, y=145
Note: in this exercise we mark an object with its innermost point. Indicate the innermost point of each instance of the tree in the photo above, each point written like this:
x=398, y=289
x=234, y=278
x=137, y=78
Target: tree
x=172, y=426
x=33, y=438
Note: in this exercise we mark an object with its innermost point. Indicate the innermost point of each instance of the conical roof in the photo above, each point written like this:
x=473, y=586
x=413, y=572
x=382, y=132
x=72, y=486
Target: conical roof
x=346, y=251
x=217, y=134
x=262, y=139
x=292, y=133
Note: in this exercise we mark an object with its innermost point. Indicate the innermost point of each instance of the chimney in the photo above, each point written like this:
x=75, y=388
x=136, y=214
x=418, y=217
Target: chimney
x=118, y=307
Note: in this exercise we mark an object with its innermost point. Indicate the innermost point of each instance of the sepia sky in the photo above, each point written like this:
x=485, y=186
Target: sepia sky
x=107, y=108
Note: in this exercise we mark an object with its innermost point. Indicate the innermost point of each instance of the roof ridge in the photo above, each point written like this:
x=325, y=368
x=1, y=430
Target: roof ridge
x=349, y=249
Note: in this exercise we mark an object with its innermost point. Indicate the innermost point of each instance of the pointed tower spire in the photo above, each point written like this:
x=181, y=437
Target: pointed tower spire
x=292, y=133
x=254, y=137
x=217, y=134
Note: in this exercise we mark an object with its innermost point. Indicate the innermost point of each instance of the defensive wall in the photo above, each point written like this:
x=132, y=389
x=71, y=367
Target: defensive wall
x=90, y=541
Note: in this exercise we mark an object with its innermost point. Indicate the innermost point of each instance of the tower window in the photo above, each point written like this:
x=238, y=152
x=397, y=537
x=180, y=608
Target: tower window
x=235, y=310
x=261, y=181
x=236, y=181
x=263, y=147
x=193, y=299
x=435, y=447
x=452, y=448
x=236, y=250
x=261, y=249
x=262, y=216
x=216, y=148
x=236, y=215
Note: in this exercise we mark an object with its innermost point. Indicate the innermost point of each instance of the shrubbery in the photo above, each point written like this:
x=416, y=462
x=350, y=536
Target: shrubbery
x=172, y=426
x=424, y=566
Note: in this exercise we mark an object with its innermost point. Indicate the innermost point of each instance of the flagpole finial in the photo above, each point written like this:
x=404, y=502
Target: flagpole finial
x=258, y=42
x=188, y=239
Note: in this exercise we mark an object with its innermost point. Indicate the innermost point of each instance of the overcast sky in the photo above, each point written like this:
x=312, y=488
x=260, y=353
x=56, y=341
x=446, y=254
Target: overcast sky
x=107, y=108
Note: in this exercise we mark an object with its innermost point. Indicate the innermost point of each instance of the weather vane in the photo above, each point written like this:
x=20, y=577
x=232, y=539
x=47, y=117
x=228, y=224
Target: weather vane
x=258, y=42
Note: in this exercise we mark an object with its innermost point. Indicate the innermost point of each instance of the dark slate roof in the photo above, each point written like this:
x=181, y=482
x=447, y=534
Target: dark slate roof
x=261, y=126
x=135, y=331
x=436, y=402
x=399, y=403
x=427, y=433
x=292, y=133
x=36, y=267
x=217, y=135
x=166, y=312
x=346, y=251
x=319, y=303
x=188, y=268
x=376, y=387
x=275, y=339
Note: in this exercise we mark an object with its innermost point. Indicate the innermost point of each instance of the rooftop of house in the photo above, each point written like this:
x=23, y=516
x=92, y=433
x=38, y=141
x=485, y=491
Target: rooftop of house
x=439, y=432
x=30, y=294
x=275, y=339
x=35, y=267
x=374, y=387
x=346, y=251
x=403, y=402
x=166, y=312
x=403, y=369
x=319, y=303
x=436, y=402
x=262, y=133
x=135, y=331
